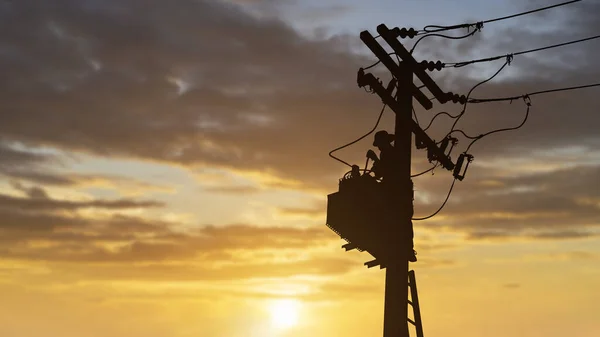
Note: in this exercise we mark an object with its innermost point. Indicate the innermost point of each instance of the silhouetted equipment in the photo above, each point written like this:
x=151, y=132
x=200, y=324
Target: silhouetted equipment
x=370, y=80
x=358, y=212
x=406, y=57
x=404, y=33
x=459, y=163
x=376, y=217
x=431, y=66
x=455, y=98
x=378, y=50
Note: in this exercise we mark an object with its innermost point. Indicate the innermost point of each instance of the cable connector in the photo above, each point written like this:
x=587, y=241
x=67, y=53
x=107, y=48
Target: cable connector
x=459, y=164
x=509, y=58
x=527, y=99
x=403, y=32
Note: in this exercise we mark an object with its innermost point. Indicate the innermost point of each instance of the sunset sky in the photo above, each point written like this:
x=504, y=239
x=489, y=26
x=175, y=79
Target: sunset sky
x=164, y=170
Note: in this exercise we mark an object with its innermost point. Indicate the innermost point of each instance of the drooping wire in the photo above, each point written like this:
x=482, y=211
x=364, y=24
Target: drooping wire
x=422, y=173
x=439, y=114
x=464, y=110
x=527, y=102
x=493, y=58
x=440, y=35
x=357, y=140
x=436, y=28
x=526, y=97
x=379, y=61
x=442, y=206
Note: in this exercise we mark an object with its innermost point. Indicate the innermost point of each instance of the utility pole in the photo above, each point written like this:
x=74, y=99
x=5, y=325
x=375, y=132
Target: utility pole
x=377, y=217
x=396, y=276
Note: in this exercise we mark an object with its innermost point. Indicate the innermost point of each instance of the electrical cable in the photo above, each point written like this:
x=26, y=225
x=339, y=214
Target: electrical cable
x=481, y=23
x=493, y=58
x=442, y=206
x=462, y=113
x=457, y=117
x=379, y=61
x=526, y=99
x=512, y=98
x=422, y=173
x=439, y=114
x=357, y=140
x=440, y=35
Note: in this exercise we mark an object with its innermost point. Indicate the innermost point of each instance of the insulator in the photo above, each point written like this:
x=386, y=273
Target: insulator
x=431, y=66
x=360, y=78
x=459, y=164
x=412, y=33
x=404, y=33
x=456, y=98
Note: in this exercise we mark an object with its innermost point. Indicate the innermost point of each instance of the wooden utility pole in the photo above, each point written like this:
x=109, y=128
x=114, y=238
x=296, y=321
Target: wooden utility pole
x=396, y=276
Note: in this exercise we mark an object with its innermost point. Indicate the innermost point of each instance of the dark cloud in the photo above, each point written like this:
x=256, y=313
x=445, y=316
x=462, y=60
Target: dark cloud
x=47, y=204
x=254, y=93
x=74, y=237
x=106, y=83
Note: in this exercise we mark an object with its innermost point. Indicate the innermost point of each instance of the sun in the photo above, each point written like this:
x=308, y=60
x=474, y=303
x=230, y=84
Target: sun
x=284, y=313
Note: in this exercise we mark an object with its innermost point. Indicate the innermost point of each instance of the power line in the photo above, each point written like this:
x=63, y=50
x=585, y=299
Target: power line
x=357, y=140
x=512, y=98
x=422, y=173
x=503, y=129
x=462, y=113
x=493, y=58
x=442, y=206
x=479, y=25
x=441, y=35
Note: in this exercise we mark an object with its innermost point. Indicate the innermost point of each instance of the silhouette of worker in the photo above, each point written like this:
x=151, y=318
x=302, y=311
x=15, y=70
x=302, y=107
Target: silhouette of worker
x=383, y=167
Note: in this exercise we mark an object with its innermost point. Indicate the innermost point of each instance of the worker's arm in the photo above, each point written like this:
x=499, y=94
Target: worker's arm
x=371, y=155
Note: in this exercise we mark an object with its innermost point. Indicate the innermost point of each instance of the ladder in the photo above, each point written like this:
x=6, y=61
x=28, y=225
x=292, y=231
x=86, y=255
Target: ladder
x=414, y=302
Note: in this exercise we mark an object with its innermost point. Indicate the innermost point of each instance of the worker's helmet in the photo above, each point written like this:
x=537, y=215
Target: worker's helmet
x=382, y=137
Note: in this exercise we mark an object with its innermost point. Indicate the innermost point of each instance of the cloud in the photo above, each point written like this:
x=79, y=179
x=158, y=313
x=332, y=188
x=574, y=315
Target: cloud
x=12, y=158
x=112, y=99
x=212, y=66
x=233, y=189
x=316, y=212
x=78, y=247
x=36, y=203
x=34, y=229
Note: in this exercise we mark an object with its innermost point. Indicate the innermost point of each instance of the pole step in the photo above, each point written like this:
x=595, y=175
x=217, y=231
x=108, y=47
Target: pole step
x=414, y=302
